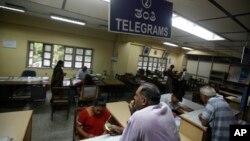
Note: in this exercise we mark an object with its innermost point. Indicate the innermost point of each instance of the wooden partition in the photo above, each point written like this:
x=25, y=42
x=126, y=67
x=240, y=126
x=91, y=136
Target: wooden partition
x=191, y=127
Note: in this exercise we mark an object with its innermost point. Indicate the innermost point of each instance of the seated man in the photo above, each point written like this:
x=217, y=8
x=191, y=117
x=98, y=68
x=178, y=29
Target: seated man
x=91, y=120
x=86, y=81
x=172, y=100
x=151, y=121
x=81, y=73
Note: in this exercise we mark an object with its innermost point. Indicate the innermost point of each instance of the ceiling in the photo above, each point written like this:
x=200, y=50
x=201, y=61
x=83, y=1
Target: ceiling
x=229, y=19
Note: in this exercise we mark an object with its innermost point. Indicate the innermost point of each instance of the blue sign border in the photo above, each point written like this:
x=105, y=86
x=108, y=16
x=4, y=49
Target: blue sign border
x=141, y=17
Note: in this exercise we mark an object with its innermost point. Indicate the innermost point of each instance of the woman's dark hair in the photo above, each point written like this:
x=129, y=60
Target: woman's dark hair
x=60, y=62
x=100, y=102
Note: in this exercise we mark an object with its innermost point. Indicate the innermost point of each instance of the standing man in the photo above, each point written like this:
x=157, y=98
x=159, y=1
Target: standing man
x=81, y=73
x=183, y=81
x=152, y=120
x=217, y=115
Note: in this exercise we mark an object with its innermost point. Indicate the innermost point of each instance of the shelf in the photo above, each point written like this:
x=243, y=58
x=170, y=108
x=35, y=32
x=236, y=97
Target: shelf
x=217, y=77
x=216, y=82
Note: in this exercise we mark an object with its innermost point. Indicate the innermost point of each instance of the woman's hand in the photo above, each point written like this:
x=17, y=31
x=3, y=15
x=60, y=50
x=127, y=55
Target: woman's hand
x=90, y=136
x=114, y=130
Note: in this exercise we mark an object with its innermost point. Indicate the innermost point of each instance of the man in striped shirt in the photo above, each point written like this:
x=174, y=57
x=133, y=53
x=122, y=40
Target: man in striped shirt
x=217, y=114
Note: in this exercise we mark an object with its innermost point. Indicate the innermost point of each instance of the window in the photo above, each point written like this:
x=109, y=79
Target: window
x=47, y=55
x=151, y=63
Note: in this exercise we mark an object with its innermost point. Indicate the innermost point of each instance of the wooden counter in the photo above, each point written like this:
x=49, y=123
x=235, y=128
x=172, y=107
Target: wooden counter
x=16, y=125
x=191, y=127
x=120, y=111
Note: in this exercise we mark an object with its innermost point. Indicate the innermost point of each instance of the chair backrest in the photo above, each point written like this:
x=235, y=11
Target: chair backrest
x=27, y=73
x=89, y=92
x=60, y=95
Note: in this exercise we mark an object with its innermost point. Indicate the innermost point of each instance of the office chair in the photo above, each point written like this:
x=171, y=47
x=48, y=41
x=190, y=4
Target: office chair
x=60, y=100
x=27, y=73
x=88, y=93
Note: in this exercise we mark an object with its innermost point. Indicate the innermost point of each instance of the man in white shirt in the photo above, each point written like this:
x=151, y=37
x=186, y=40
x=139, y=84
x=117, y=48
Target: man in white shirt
x=81, y=73
x=151, y=121
x=171, y=100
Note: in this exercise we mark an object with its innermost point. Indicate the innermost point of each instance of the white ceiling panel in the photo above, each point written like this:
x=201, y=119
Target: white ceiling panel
x=52, y=3
x=237, y=48
x=93, y=8
x=235, y=6
x=245, y=20
x=232, y=44
x=178, y=33
x=236, y=36
x=222, y=25
x=204, y=44
x=196, y=10
x=189, y=39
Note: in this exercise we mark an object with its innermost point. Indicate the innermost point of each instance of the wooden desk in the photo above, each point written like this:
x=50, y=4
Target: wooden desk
x=17, y=125
x=234, y=103
x=191, y=127
x=9, y=85
x=24, y=80
x=111, y=82
x=190, y=104
x=104, y=138
x=183, y=137
x=120, y=111
x=225, y=93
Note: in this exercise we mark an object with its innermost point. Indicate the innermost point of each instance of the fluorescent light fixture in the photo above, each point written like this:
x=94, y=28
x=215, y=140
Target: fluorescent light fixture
x=12, y=8
x=187, y=48
x=107, y=0
x=190, y=27
x=67, y=20
x=170, y=44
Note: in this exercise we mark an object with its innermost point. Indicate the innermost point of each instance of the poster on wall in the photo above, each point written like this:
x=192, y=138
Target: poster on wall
x=244, y=76
x=234, y=74
x=239, y=75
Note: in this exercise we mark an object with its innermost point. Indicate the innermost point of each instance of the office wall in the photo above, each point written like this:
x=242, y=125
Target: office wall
x=23, y=28
x=13, y=61
x=122, y=59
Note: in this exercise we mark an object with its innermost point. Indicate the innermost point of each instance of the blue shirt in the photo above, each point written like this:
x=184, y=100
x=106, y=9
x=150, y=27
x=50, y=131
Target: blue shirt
x=219, y=116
